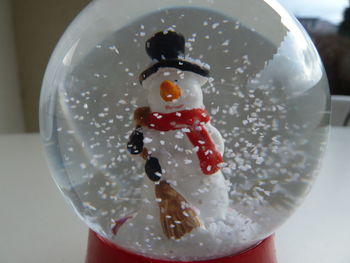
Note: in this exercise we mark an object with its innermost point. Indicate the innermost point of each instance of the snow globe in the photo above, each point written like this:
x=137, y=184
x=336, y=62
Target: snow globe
x=184, y=130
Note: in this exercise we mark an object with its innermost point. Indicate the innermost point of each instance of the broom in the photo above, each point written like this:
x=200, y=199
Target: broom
x=177, y=217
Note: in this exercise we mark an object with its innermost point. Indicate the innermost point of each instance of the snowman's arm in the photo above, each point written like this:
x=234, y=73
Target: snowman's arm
x=135, y=143
x=135, y=146
x=216, y=137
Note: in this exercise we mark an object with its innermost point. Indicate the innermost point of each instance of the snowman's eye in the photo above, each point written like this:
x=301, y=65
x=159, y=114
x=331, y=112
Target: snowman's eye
x=175, y=80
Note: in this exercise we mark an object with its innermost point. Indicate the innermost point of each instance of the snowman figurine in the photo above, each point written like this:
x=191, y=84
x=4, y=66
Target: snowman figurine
x=184, y=190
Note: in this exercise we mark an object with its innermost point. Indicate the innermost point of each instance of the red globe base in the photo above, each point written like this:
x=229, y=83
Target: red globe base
x=100, y=250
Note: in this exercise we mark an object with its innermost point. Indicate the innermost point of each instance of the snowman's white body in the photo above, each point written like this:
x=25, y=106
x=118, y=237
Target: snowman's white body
x=181, y=168
x=207, y=194
x=176, y=154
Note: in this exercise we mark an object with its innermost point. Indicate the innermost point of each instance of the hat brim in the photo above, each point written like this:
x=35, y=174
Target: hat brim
x=174, y=63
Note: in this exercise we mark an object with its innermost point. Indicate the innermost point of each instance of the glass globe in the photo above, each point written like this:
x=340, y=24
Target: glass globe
x=184, y=129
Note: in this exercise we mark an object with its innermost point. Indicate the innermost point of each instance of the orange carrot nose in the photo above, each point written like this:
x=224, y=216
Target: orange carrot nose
x=169, y=91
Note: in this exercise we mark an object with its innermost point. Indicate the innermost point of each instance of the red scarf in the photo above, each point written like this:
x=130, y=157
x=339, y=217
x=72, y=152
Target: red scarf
x=194, y=120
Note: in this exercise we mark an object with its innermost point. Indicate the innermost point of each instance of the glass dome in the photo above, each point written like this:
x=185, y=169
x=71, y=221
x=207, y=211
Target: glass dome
x=184, y=129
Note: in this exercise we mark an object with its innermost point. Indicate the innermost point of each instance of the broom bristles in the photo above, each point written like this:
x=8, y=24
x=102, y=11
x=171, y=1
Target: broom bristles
x=177, y=217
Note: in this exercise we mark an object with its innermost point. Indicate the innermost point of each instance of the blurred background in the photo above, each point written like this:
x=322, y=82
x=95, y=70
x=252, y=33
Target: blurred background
x=29, y=31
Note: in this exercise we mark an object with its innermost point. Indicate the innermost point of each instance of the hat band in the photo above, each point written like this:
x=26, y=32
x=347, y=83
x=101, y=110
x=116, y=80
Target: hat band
x=174, y=63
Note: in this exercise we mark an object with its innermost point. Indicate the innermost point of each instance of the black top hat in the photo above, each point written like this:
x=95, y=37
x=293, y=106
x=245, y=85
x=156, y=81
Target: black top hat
x=168, y=49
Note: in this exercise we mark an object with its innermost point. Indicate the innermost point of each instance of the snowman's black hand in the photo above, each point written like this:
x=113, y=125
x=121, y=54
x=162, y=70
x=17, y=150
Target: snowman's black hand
x=135, y=143
x=153, y=169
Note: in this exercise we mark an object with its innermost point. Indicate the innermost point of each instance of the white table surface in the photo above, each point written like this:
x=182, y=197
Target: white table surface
x=37, y=226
